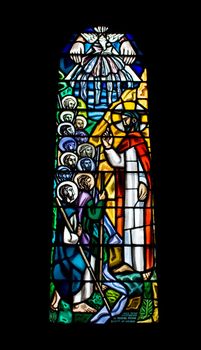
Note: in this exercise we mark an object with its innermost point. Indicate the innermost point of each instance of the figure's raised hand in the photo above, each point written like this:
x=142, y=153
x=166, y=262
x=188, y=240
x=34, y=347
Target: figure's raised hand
x=128, y=52
x=142, y=191
x=102, y=196
x=76, y=51
x=107, y=139
x=79, y=230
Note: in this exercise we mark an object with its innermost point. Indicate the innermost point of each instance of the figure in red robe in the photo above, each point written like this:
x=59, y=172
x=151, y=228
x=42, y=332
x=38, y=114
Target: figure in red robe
x=133, y=193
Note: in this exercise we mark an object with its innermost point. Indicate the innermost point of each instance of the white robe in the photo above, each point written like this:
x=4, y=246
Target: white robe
x=134, y=233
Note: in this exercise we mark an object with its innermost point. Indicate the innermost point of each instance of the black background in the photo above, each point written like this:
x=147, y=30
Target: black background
x=160, y=33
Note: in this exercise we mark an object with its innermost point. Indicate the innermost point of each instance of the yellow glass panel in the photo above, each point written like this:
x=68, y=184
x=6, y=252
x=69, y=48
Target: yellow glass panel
x=147, y=139
x=145, y=132
x=107, y=117
x=129, y=105
x=98, y=182
x=105, y=166
x=116, y=117
x=102, y=154
x=95, y=140
x=116, y=132
x=144, y=118
x=129, y=95
x=110, y=185
x=144, y=103
x=110, y=203
x=117, y=141
x=142, y=91
x=144, y=75
x=111, y=214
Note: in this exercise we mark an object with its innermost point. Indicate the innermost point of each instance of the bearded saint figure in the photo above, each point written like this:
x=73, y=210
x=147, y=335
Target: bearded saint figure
x=130, y=199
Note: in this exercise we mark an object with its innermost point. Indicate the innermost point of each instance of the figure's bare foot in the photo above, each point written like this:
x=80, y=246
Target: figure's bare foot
x=55, y=301
x=146, y=275
x=83, y=307
x=123, y=268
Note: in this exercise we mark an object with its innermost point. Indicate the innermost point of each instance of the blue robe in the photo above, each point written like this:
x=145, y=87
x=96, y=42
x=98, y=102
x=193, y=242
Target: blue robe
x=68, y=264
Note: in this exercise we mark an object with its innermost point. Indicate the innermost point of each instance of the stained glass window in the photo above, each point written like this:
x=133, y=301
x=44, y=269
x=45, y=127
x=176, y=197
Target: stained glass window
x=103, y=246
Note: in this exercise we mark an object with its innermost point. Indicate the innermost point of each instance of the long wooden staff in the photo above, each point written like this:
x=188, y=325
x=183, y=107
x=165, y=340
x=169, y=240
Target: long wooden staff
x=101, y=239
x=101, y=222
x=83, y=254
x=101, y=233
